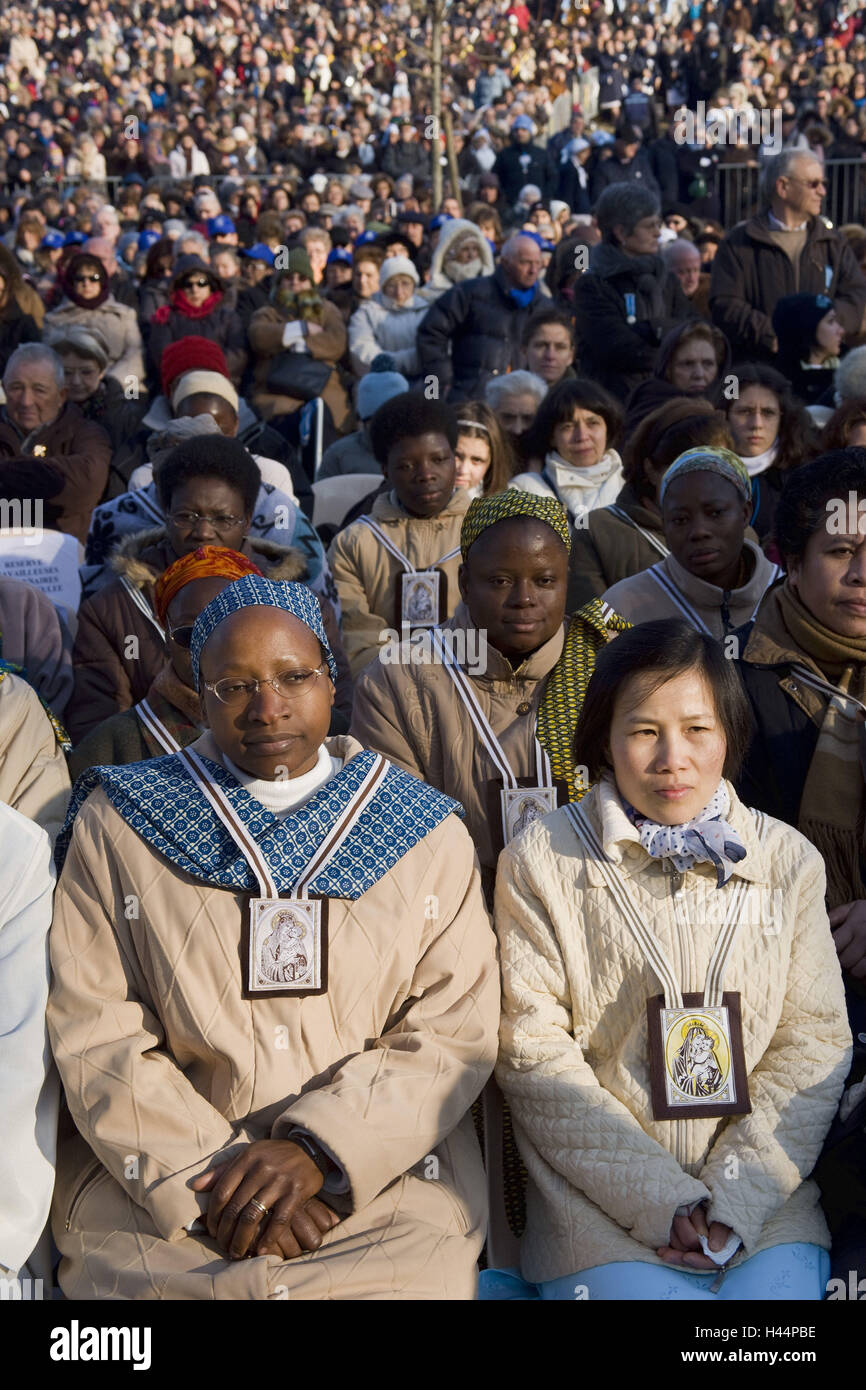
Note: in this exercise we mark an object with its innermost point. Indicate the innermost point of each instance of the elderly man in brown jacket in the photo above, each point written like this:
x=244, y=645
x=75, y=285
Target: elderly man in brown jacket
x=49, y=453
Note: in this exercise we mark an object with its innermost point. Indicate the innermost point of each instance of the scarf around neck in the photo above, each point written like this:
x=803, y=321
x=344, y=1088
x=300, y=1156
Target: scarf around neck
x=707, y=838
x=590, y=629
x=831, y=812
x=167, y=809
x=761, y=462
x=183, y=306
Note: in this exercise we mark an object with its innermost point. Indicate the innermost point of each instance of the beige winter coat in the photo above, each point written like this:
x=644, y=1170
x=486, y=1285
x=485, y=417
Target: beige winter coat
x=605, y=1178
x=33, y=776
x=266, y=340
x=167, y=1071
x=119, y=327
x=366, y=573
x=413, y=714
x=640, y=599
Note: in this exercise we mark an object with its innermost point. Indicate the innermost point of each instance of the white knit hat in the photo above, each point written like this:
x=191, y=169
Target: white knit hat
x=397, y=265
x=200, y=382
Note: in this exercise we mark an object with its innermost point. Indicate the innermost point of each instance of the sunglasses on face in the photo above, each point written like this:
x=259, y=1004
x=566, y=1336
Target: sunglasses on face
x=86, y=280
x=181, y=636
x=200, y=283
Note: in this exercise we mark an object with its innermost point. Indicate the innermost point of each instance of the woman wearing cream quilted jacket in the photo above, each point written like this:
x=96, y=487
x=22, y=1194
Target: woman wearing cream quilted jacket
x=674, y=1039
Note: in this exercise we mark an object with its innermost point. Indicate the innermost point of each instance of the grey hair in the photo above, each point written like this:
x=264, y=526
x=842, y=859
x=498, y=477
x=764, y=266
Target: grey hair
x=849, y=378
x=85, y=342
x=778, y=166
x=36, y=352
x=201, y=242
x=671, y=248
x=219, y=248
x=624, y=205
x=514, y=384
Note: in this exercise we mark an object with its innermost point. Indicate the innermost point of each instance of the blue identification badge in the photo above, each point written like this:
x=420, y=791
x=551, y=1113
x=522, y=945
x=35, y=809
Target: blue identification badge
x=630, y=316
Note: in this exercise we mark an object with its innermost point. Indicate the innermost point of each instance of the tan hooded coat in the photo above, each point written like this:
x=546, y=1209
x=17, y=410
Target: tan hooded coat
x=33, y=776
x=168, y=1070
x=366, y=573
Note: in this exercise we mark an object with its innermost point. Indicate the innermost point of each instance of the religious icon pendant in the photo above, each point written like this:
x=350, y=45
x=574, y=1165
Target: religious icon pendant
x=286, y=947
x=697, y=1063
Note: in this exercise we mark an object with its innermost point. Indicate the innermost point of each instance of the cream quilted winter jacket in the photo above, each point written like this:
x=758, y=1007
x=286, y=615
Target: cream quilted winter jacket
x=605, y=1179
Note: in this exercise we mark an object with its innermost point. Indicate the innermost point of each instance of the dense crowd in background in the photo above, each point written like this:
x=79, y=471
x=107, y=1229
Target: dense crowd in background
x=575, y=410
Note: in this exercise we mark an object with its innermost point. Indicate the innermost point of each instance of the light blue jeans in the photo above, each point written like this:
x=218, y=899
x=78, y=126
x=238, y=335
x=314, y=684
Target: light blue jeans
x=785, y=1273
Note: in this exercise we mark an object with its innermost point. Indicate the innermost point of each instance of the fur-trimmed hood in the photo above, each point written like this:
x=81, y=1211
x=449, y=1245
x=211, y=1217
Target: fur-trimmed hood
x=139, y=558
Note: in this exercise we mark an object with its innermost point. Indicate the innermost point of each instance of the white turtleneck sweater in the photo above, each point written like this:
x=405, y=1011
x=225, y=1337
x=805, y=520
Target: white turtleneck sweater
x=284, y=794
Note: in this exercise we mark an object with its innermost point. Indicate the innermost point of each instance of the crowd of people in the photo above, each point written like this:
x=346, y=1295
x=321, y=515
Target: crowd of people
x=435, y=826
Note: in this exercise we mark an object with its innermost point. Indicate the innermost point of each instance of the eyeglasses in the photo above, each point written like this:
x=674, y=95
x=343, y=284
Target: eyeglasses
x=182, y=636
x=199, y=283
x=223, y=522
x=289, y=685
x=808, y=183
x=86, y=280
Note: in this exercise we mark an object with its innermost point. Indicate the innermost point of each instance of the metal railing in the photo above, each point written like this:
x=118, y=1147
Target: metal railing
x=735, y=185
x=737, y=189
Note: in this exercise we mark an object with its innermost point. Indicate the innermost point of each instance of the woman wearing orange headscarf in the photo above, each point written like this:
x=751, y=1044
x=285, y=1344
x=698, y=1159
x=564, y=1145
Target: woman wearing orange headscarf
x=169, y=717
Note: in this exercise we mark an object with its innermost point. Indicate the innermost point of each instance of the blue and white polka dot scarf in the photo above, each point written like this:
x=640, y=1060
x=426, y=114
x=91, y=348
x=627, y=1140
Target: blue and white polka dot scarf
x=707, y=839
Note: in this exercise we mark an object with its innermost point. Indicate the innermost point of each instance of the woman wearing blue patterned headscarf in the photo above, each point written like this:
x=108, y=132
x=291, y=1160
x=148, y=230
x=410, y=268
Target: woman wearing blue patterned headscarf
x=275, y=985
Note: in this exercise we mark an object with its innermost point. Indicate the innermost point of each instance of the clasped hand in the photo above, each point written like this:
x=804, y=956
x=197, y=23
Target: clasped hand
x=684, y=1245
x=283, y=1180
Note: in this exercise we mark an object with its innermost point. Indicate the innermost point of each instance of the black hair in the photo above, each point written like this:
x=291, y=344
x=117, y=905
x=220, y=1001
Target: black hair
x=661, y=650
x=558, y=408
x=408, y=416
x=803, y=505
x=542, y=318
x=209, y=456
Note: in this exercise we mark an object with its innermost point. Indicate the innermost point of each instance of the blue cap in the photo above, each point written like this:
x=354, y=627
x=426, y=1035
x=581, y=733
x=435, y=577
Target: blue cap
x=133, y=178
x=365, y=238
x=147, y=238
x=52, y=240
x=259, y=252
x=523, y=123
x=339, y=256
x=220, y=226
x=74, y=238
x=439, y=220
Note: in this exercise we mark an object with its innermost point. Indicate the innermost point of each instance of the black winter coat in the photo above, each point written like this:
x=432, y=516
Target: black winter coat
x=616, y=353
x=518, y=165
x=751, y=274
x=482, y=324
x=221, y=326
x=16, y=328
x=610, y=171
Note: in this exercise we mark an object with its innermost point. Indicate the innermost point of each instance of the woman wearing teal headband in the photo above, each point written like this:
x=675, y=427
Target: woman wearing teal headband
x=714, y=577
x=275, y=985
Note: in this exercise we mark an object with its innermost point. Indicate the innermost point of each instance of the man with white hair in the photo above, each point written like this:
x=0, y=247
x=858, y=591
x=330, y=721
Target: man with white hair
x=514, y=399
x=473, y=331
x=684, y=259
x=787, y=249
x=53, y=462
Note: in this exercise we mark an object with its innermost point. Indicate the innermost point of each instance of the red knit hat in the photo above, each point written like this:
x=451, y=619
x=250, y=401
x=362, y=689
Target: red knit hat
x=188, y=355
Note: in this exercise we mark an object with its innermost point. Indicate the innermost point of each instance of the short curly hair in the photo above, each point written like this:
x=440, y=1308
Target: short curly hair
x=405, y=417
x=210, y=457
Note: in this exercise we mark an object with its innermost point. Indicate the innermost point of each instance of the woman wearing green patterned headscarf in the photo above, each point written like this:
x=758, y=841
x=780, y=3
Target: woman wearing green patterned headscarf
x=487, y=710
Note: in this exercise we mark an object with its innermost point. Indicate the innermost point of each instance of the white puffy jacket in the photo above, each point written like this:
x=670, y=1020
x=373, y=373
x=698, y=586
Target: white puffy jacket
x=379, y=325
x=605, y=1178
